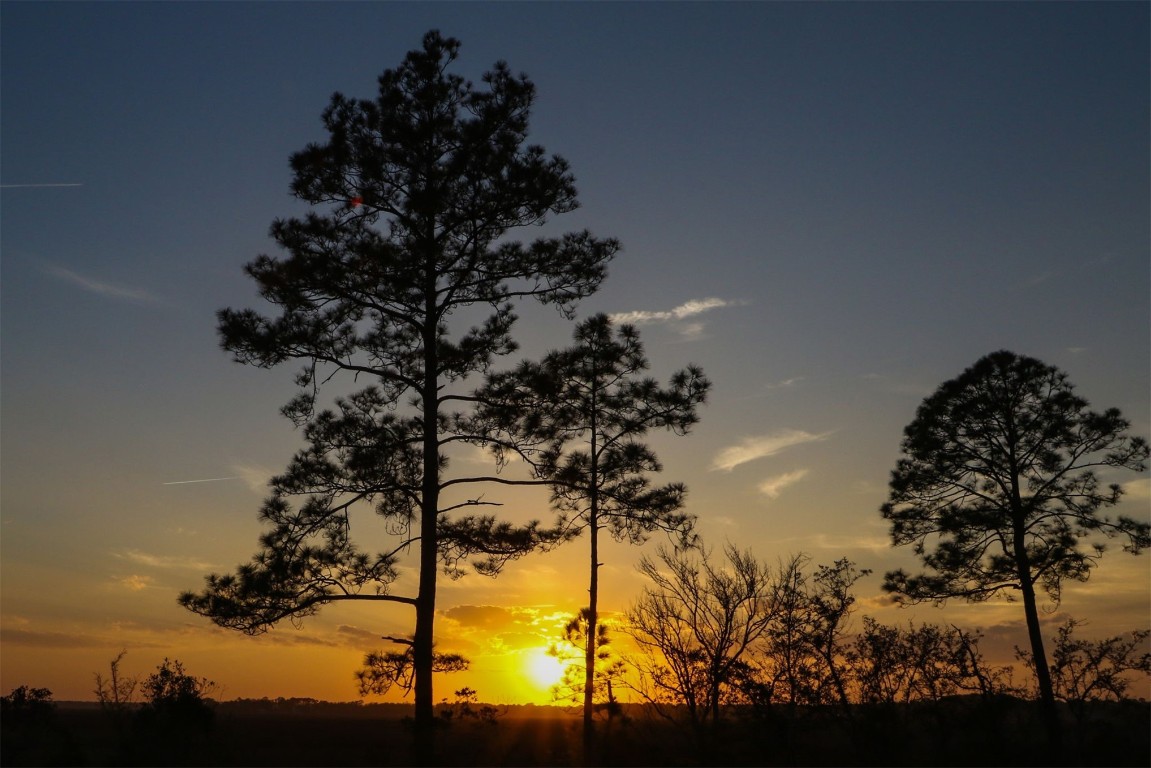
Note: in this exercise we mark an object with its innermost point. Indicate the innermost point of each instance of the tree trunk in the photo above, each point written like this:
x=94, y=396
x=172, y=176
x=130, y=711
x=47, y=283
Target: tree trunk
x=1027, y=586
x=1047, y=707
x=593, y=598
x=422, y=649
x=590, y=644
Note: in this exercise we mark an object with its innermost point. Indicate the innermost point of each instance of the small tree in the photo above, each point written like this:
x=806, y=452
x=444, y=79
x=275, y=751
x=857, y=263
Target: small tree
x=999, y=477
x=116, y=694
x=416, y=197
x=698, y=620
x=27, y=733
x=466, y=706
x=1093, y=670
x=928, y=662
x=800, y=660
x=26, y=704
x=609, y=667
x=177, y=698
x=578, y=417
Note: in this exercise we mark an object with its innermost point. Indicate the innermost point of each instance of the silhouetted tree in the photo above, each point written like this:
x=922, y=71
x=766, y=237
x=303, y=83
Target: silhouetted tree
x=928, y=662
x=116, y=694
x=697, y=620
x=27, y=704
x=578, y=417
x=999, y=477
x=177, y=698
x=414, y=195
x=800, y=658
x=832, y=602
x=28, y=730
x=1093, y=670
x=466, y=706
x=609, y=667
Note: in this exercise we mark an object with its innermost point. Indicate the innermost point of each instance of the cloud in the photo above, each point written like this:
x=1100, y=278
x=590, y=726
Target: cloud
x=485, y=616
x=752, y=448
x=102, y=288
x=356, y=636
x=508, y=641
x=839, y=542
x=494, y=629
x=161, y=561
x=256, y=478
x=135, y=582
x=773, y=486
x=1137, y=490
x=48, y=639
x=690, y=331
x=786, y=383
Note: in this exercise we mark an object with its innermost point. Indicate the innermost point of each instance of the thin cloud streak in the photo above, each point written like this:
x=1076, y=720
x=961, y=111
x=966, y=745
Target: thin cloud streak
x=773, y=486
x=161, y=561
x=685, y=310
x=102, y=288
x=752, y=448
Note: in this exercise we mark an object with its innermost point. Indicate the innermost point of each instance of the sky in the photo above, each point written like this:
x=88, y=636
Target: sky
x=832, y=208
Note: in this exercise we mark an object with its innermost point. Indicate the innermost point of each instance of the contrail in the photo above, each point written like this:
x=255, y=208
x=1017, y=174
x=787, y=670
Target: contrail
x=25, y=186
x=206, y=480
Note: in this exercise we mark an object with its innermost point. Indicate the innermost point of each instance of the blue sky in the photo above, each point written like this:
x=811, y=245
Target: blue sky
x=831, y=207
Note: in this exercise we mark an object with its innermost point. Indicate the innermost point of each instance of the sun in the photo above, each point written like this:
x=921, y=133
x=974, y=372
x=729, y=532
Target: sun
x=545, y=670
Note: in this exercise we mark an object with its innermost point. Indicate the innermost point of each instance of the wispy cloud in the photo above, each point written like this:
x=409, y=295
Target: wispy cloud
x=773, y=486
x=162, y=561
x=844, y=542
x=690, y=331
x=255, y=477
x=48, y=639
x=135, y=582
x=786, y=383
x=683, y=311
x=752, y=448
x=356, y=636
x=102, y=288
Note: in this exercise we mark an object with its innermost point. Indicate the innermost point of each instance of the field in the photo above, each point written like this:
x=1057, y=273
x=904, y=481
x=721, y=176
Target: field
x=317, y=734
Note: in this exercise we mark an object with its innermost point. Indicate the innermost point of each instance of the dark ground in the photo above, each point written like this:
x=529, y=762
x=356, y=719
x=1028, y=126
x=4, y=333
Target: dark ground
x=950, y=734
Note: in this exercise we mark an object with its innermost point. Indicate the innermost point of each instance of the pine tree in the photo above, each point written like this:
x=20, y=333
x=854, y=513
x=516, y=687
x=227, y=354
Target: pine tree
x=413, y=198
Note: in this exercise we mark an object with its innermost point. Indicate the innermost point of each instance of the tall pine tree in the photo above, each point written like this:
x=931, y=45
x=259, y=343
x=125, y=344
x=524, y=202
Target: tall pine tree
x=579, y=417
x=414, y=195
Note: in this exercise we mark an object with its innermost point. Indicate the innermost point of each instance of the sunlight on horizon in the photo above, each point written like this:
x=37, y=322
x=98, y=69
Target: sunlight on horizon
x=545, y=670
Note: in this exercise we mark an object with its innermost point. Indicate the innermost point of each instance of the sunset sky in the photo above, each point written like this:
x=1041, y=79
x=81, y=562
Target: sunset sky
x=832, y=208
